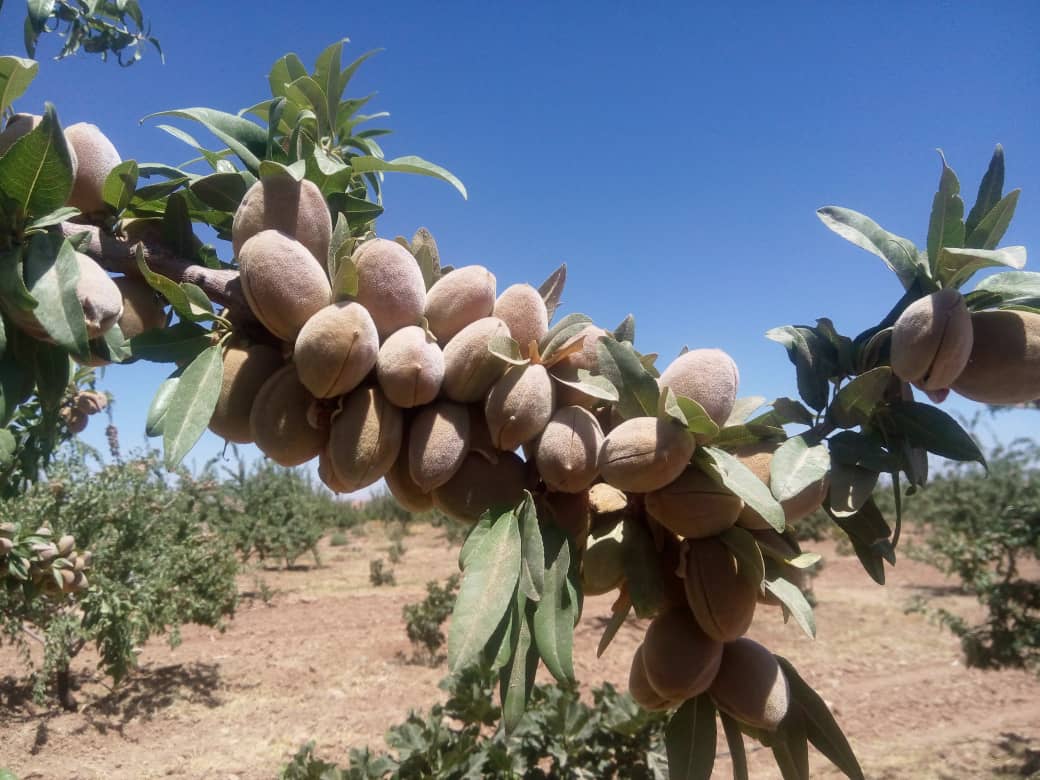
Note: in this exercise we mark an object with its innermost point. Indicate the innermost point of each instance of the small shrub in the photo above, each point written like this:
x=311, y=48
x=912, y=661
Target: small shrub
x=378, y=575
x=338, y=539
x=396, y=551
x=423, y=620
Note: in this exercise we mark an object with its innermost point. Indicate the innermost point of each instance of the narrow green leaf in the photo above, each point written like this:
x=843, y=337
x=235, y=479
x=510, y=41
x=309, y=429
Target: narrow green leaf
x=175, y=344
x=56, y=217
x=305, y=91
x=160, y=404
x=855, y=403
x=736, y=437
x=794, y=603
x=507, y=349
x=532, y=562
x=223, y=191
x=16, y=74
x=475, y=537
x=427, y=255
x=698, y=422
x=551, y=289
x=646, y=586
x=1010, y=287
x=690, y=740
x=735, y=741
x=957, y=265
x=498, y=652
x=821, y=728
x=285, y=70
x=561, y=333
x=926, y=426
x=990, y=189
x=51, y=277
x=177, y=231
x=626, y=331
x=409, y=164
x=850, y=488
x=946, y=224
x=345, y=283
x=591, y=385
x=747, y=552
x=341, y=245
x=617, y=619
x=991, y=229
x=488, y=583
x=327, y=75
x=899, y=254
x=53, y=372
x=119, y=187
x=517, y=677
x=192, y=404
x=869, y=533
x=728, y=471
x=805, y=351
x=36, y=172
x=555, y=614
x=637, y=389
x=742, y=409
x=244, y=138
x=8, y=446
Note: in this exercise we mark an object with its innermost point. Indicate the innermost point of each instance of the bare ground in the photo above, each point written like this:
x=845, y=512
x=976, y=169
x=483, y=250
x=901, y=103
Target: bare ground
x=327, y=660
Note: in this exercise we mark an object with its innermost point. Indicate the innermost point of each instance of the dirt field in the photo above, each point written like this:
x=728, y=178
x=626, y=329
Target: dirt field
x=326, y=661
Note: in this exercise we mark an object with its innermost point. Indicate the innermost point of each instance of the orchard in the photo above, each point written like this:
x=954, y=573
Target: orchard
x=584, y=462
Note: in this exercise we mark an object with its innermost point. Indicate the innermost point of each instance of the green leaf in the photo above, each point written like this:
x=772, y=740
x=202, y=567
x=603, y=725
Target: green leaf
x=51, y=276
x=869, y=534
x=424, y=249
x=646, y=586
x=474, y=538
x=345, y=283
x=899, y=254
x=995, y=224
x=742, y=409
x=735, y=437
x=532, y=562
x=16, y=74
x=12, y=281
x=327, y=75
x=488, y=583
x=794, y=602
x=555, y=614
x=932, y=429
x=36, y=172
x=8, y=446
x=1010, y=287
x=517, y=677
x=505, y=348
x=223, y=191
x=850, y=488
x=561, y=333
x=359, y=212
x=285, y=70
x=153, y=424
x=957, y=265
x=617, y=619
x=855, y=403
x=175, y=344
x=409, y=164
x=990, y=189
x=244, y=138
x=120, y=184
x=53, y=372
x=791, y=748
x=747, y=552
x=853, y=448
x=551, y=289
x=821, y=728
x=735, y=741
x=946, y=224
x=690, y=740
x=192, y=404
x=626, y=331
x=341, y=245
x=594, y=386
x=696, y=419
x=56, y=217
x=637, y=389
x=811, y=359
x=728, y=471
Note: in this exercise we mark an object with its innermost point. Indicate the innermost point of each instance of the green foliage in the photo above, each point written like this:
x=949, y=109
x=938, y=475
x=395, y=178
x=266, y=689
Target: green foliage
x=155, y=566
x=379, y=574
x=266, y=511
x=97, y=27
x=559, y=736
x=984, y=529
x=423, y=620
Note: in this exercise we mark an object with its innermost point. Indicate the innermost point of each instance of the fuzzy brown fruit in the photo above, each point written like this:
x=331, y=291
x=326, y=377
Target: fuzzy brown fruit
x=602, y=564
x=410, y=367
x=278, y=420
x=694, y=506
x=640, y=688
x=469, y=368
x=1004, y=366
x=479, y=485
x=645, y=453
x=458, y=298
x=245, y=372
x=785, y=547
x=759, y=459
x=567, y=368
x=571, y=513
x=567, y=454
x=17, y=126
x=519, y=405
x=336, y=348
x=99, y=296
x=142, y=308
x=401, y=486
x=95, y=159
x=681, y=660
x=365, y=438
x=438, y=441
x=709, y=377
x=751, y=686
x=721, y=593
x=931, y=340
x=296, y=208
x=522, y=309
x=390, y=285
x=327, y=474
x=282, y=282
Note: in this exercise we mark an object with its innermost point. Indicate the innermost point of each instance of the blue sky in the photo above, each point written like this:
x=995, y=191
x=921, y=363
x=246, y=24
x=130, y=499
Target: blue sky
x=672, y=154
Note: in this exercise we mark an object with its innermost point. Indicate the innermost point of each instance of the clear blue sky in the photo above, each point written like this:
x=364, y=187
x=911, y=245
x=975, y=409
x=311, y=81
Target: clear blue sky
x=673, y=154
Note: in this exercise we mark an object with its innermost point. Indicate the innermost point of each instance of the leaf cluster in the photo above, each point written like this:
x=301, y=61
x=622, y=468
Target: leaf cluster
x=103, y=27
